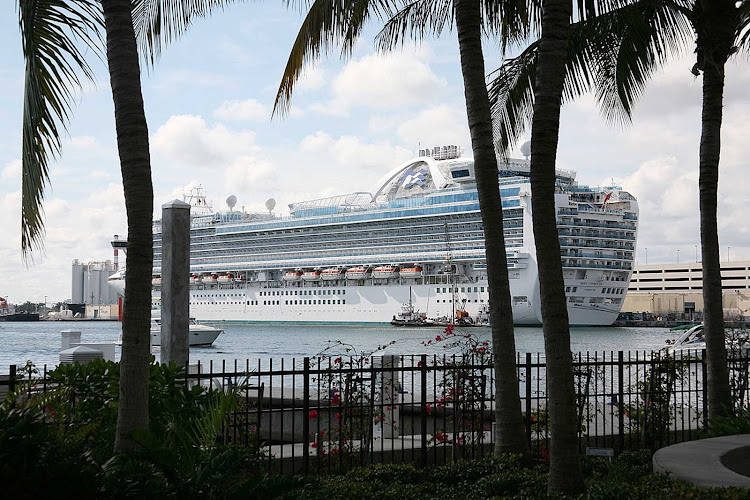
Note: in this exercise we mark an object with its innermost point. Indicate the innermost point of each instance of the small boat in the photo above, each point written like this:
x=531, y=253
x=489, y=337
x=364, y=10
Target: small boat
x=694, y=339
x=195, y=280
x=292, y=275
x=199, y=335
x=226, y=279
x=356, y=273
x=385, y=272
x=331, y=273
x=210, y=280
x=156, y=281
x=408, y=316
x=411, y=272
x=311, y=275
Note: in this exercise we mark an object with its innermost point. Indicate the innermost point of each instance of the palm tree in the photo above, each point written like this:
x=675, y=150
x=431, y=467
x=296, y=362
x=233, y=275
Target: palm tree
x=328, y=21
x=509, y=422
x=565, y=474
x=53, y=62
x=614, y=55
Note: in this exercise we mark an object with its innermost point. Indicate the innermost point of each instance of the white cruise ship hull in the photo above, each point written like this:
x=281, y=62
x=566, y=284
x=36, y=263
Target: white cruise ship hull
x=423, y=219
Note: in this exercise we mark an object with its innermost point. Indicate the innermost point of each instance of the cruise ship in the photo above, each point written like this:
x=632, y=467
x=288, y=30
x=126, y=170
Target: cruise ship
x=416, y=239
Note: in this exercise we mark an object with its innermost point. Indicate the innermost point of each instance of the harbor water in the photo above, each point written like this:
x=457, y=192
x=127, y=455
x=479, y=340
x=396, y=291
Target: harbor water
x=39, y=342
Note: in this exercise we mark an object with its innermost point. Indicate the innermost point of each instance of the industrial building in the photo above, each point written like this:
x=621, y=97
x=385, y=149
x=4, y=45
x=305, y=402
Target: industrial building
x=664, y=289
x=90, y=290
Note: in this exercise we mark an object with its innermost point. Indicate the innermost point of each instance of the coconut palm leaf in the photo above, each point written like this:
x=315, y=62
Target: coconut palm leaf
x=743, y=31
x=54, y=36
x=327, y=23
x=510, y=20
x=613, y=55
x=160, y=22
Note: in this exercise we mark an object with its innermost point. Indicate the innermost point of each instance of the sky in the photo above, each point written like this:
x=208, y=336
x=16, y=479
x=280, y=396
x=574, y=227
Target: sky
x=208, y=103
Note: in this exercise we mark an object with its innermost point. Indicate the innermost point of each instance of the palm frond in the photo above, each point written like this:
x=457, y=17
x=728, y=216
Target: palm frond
x=613, y=54
x=51, y=32
x=160, y=22
x=508, y=20
x=743, y=30
x=327, y=23
x=415, y=20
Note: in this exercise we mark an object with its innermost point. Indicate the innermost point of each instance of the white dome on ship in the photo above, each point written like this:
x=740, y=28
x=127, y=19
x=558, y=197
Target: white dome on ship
x=526, y=149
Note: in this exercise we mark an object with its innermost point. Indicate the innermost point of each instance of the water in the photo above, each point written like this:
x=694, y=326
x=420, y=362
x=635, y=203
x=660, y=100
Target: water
x=40, y=341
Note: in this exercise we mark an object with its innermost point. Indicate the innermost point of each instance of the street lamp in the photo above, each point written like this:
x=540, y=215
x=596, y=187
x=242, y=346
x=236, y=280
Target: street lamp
x=678, y=255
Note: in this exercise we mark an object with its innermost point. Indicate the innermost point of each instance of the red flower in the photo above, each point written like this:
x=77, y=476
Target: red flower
x=337, y=360
x=438, y=338
x=336, y=399
x=312, y=414
x=429, y=408
x=338, y=416
x=313, y=445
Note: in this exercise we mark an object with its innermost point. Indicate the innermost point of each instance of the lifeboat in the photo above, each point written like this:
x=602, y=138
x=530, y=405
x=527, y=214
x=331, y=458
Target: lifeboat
x=240, y=278
x=194, y=280
x=356, y=273
x=156, y=281
x=411, y=272
x=331, y=274
x=226, y=279
x=385, y=272
x=311, y=276
x=292, y=276
x=210, y=280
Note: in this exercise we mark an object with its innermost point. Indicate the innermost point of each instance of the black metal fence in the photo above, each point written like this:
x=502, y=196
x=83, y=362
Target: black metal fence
x=328, y=413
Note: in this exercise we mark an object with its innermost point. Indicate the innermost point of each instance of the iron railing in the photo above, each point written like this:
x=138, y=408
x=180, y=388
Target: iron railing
x=327, y=413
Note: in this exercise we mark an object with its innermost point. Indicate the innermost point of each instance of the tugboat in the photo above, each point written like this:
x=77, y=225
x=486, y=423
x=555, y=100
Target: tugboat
x=408, y=316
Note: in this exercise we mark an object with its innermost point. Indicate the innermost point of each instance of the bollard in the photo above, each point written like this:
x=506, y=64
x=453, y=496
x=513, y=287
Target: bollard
x=175, y=290
x=70, y=337
x=389, y=395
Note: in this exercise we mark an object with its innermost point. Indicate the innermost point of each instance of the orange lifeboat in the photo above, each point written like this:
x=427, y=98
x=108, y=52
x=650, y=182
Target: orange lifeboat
x=331, y=274
x=292, y=276
x=194, y=280
x=156, y=280
x=210, y=280
x=385, y=272
x=356, y=273
x=311, y=275
x=226, y=279
x=411, y=272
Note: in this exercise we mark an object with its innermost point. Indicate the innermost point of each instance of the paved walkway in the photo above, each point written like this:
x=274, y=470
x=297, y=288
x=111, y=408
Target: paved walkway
x=702, y=462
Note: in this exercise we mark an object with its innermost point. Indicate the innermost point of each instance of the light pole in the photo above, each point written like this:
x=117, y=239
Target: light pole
x=728, y=250
x=646, y=256
x=678, y=255
x=696, y=253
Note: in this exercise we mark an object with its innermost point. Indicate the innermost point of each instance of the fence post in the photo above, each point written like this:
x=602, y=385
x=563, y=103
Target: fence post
x=528, y=398
x=423, y=409
x=704, y=389
x=621, y=398
x=306, y=417
x=12, y=383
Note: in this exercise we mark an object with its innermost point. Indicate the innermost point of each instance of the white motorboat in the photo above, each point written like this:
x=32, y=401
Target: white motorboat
x=694, y=339
x=200, y=335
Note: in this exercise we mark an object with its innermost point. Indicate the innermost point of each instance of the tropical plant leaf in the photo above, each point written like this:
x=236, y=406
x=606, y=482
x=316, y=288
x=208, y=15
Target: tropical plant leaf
x=160, y=22
x=613, y=55
x=52, y=33
x=327, y=23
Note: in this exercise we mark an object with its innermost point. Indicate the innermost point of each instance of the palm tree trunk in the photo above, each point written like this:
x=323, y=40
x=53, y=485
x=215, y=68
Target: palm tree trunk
x=132, y=144
x=565, y=464
x=508, y=419
x=715, y=27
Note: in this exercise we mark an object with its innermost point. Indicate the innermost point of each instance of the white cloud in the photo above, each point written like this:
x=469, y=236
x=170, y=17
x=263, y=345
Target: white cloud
x=187, y=145
x=249, y=109
x=392, y=81
x=350, y=151
x=11, y=172
x=436, y=126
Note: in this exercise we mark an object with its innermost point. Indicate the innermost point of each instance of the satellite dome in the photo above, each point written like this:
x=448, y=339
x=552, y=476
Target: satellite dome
x=270, y=204
x=231, y=201
x=526, y=149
